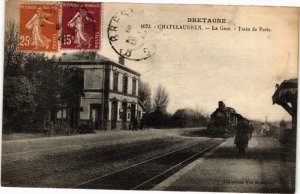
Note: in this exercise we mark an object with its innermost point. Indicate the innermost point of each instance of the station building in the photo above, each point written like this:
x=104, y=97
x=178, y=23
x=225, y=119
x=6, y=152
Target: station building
x=286, y=96
x=109, y=98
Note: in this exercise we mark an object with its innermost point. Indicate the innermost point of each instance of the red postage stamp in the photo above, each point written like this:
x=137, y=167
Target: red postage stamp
x=38, y=27
x=81, y=25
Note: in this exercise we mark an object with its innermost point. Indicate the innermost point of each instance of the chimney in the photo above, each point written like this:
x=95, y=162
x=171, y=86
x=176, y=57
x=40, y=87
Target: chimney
x=92, y=55
x=221, y=105
x=121, y=60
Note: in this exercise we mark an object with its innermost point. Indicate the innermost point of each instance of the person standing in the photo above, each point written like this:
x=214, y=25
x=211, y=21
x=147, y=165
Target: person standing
x=135, y=124
x=242, y=136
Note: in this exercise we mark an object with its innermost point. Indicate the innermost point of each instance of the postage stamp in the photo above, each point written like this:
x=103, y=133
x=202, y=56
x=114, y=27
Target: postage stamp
x=38, y=30
x=127, y=38
x=81, y=25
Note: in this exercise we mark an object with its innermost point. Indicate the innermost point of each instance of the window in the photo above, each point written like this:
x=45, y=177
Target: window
x=125, y=84
x=116, y=80
x=121, y=113
x=128, y=116
x=134, y=86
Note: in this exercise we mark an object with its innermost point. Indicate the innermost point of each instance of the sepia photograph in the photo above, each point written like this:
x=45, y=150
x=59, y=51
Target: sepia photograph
x=149, y=97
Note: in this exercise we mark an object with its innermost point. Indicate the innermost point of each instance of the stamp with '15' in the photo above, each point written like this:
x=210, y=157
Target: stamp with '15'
x=80, y=26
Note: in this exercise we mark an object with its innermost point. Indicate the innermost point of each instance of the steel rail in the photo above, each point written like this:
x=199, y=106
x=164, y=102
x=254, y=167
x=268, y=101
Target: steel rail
x=177, y=165
x=145, y=161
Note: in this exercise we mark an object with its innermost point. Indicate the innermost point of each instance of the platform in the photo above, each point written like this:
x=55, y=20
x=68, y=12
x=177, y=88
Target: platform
x=264, y=168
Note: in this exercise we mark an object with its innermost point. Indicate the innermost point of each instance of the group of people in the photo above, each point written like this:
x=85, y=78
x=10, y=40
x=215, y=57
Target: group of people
x=265, y=129
x=136, y=124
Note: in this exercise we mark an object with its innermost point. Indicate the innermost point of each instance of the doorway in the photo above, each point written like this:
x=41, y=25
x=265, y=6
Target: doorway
x=124, y=115
x=114, y=114
x=95, y=116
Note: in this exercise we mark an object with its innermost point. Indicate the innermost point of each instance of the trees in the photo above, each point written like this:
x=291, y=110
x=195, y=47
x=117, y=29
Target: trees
x=159, y=117
x=32, y=84
x=18, y=103
x=13, y=60
x=282, y=124
x=161, y=99
x=145, y=96
x=73, y=80
x=189, y=118
x=46, y=76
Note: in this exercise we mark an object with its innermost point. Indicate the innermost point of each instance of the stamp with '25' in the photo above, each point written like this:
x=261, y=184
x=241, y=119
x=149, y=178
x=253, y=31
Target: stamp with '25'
x=38, y=27
x=81, y=25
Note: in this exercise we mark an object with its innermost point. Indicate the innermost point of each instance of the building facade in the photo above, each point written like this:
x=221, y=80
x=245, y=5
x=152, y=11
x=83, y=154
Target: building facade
x=109, y=98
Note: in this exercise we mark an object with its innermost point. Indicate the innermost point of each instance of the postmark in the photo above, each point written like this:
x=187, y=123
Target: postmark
x=81, y=26
x=38, y=31
x=127, y=38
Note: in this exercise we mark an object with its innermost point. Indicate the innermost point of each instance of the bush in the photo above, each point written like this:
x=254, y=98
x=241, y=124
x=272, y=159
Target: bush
x=182, y=118
x=18, y=103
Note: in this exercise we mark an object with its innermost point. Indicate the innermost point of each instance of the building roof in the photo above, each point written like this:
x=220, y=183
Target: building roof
x=285, y=91
x=89, y=57
x=83, y=57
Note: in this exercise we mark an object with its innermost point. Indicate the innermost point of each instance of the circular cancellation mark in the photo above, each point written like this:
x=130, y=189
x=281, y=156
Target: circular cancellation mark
x=127, y=38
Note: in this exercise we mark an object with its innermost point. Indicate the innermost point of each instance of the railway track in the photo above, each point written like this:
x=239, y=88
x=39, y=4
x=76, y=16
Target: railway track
x=53, y=159
x=145, y=175
x=23, y=172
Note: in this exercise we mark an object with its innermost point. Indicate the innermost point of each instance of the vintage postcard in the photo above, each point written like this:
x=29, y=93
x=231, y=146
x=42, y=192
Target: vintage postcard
x=161, y=97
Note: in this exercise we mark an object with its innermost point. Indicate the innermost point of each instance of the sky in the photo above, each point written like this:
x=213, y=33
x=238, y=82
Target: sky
x=200, y=68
